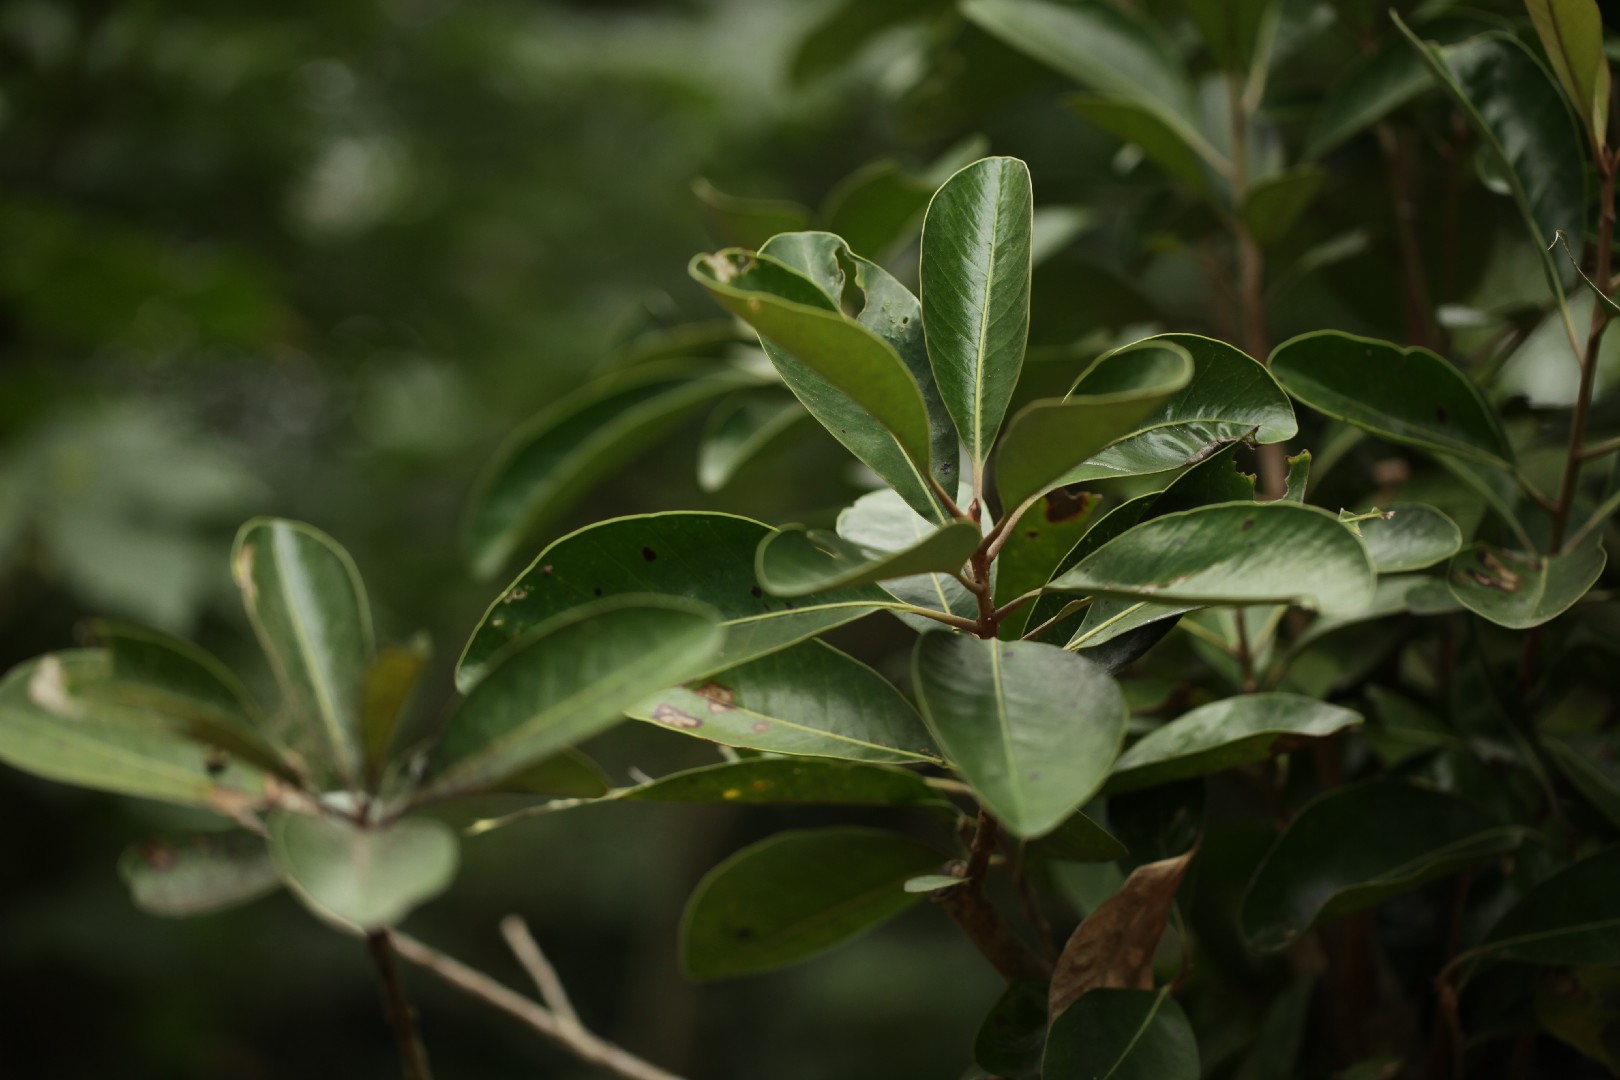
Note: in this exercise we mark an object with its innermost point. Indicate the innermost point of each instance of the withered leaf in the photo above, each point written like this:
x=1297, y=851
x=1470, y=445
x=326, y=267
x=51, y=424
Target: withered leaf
x=1113, y=947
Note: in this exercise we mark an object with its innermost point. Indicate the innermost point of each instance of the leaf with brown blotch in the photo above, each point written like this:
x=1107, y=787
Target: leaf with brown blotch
x=1113, y=947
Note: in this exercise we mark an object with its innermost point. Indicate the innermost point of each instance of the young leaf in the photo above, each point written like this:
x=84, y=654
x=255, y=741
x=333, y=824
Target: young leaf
x=198, y=875
x=794, y=561
x=549, y=462
x=1357, y=846
x=567, y=680
x=1410, y=537
x=737, y=431
x=308, y=607
x=807, y=699
x=1571, y=32
x=391, y=681
x=1122, y=1035
x=881, y=522
x=976, y=250
x=1570, y=919
x=797, y=894
x=1232, y=553
x=1046, y=533
x=51, y=727
x=1031, y=727
x=1231, y=397
x=1409, y=396
x=775, y=781
x=1048, y=439
x=1520, y=591
x=704, y=557
x=791, y=312
x=1113, y=947
x=371, y=877
x=1226, y=734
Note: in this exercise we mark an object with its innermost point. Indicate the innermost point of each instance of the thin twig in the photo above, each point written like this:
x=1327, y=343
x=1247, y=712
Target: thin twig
x=527, y=951
x=412, y=1056
x=583, y=1044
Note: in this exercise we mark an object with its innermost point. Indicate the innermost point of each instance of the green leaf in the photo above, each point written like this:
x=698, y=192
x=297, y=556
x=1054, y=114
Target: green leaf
x=1231, y=29
x=567, y=680
x=882, y=522
x=1357, y=846
x=1226, y=734
x=1078, y=839
x=545, y=466
x=808, y=699
x=1044, y=535
x=1231, y=395
x=1122, y=1035
x=390, y=683
x=1377, y=86
x=791, y=312
x=198, y=875
x=1013, y=1034
x=568, y=775
x=976, y=259
x=1570, y=919
x=1590, y=763
x=737, y=431
x=830, y=44
x=877, y=207
x=1031, y=727
x=1275, y=204
x=168, y=679
x=1571, y=32
x=1048, y=439
x=308, y=608
x=371, y=877
x=1148, y=128
x=53, y=725
x=794, y=561
x=704, y=557
x=1409, y=396
x=1299, y=476
x=1232, y=553
x=1520, y=591
x=744, y=221
x=794, y=895
x=1528, y=132
x=777, y=781
x=1411, y=537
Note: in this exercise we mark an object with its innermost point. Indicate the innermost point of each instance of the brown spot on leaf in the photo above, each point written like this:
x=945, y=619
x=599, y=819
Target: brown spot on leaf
x=157, y=855
x=545, y=571
x=1248, y=523
x=216, y=761
x=1061, y=505
x=757, y=592
x=761, y=726
x=719, y=697
x=649, y=554
x=675, y=718
x=1113, y=947
x=596, y=592
x=1441, y=416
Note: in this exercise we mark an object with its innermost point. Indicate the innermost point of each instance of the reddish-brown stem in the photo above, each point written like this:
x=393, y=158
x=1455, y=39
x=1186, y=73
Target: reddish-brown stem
x=401, y=1017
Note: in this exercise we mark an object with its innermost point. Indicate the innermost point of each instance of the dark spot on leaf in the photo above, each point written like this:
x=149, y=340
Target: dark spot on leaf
x=945, y=467
x=757, y=591
x=676, y=718
x=216, y=761
x=649, y=554
x=545, y=571
x=596, y=592
x=1064, y=505
x=791, y=606
x=743, y=933
x=1248, y=524
x=1441, y=416
x=719, y=697
x=1033, y=534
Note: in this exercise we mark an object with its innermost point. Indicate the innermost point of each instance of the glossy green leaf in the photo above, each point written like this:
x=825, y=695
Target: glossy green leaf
x=877, y=208
x=1146, y=127
x=1036, y=546
x=1299, y=476
x=545, y=466
x=1232, y=553
x=1048, y=439
x=1411, y=537
x=1570, y=919
x=1231, y=397
x=777, y=781
x=1013, y=1035
x=1226, y=734
x=1034, y=729
x=1527, y=131
x=797, y=894
x=976, y=259
x=1357, y=846
x=745, y=221
x=736, y=433
x=1520, y=591
x=881, y=522
x=1078, y=839
x=198, y=875
x=371, y=877
x=808, y=699
x=889, y=310
x=308, y=607
x=1275, y=205
x=791, y=312
x=704, y=557
x=1571, y=32
x=1377, y=86
x=567, y=680
x=794, y=561
x=51, y=727
x=1409, y=396
x=1591, y=763
x=1122, y=1035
